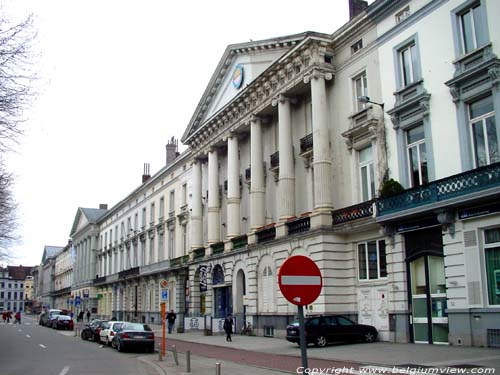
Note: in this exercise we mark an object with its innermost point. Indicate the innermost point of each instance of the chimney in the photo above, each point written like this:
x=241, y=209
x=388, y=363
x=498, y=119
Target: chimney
x=146, y=174
x=356, y=7
x=172, y=152
x=103, y=206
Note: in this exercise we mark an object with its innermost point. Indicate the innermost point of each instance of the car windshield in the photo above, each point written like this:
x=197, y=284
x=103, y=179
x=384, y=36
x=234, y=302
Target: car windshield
x=136, y=327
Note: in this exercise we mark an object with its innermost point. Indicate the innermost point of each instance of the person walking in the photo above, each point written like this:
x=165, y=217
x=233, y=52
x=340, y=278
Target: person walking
x=171, y=320
x=80, y=316
x=9, y=316
x=88, y=315
x=228, y=327
x=18, y=318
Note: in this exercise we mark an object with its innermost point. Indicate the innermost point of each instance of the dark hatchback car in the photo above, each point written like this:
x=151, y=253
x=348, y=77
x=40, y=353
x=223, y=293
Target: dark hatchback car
x=92, y=330
x=63, y=322
x=321, y=330
x=137, y=335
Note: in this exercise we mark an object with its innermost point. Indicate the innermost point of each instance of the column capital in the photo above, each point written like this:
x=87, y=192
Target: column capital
x=318, y=73
x=283, y=99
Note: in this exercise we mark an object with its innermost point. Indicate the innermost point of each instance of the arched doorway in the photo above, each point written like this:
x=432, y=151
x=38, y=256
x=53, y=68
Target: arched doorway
x=239, y=297
x=223, y=304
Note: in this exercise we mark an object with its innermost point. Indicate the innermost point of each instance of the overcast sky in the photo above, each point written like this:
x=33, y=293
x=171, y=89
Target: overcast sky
x=118, y=78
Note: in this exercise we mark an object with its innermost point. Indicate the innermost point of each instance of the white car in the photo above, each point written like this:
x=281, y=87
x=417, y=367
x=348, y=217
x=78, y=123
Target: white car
x=107, y=333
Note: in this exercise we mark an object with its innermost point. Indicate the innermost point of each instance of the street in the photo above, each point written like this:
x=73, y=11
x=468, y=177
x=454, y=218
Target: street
x=28, y=348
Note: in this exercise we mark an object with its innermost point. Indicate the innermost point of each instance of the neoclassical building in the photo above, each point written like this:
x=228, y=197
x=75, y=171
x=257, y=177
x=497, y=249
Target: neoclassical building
x=373, y=150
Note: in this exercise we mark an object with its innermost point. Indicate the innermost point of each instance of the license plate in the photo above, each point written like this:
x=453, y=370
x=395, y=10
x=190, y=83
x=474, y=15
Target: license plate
x=138, y=337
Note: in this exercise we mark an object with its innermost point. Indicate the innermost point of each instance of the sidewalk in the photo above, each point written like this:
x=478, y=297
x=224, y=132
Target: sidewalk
x=377, y=354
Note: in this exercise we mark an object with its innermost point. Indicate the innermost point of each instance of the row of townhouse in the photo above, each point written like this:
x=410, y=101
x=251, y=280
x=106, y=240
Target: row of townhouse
x=16, y=288
x=373, y=150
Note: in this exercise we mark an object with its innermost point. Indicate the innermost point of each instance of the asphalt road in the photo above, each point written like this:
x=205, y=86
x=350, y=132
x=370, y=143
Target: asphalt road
x=30, y=349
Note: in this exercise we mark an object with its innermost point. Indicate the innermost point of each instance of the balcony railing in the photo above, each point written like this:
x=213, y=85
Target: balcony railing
x=275, y=160
x=354, y=212
x=199, y=253
x=302, y=224
x=456, y=186
x=239, y=242
x=266, y=234
x=306, y=143
x=217, y=248
x=130, y=272
x=99, y=280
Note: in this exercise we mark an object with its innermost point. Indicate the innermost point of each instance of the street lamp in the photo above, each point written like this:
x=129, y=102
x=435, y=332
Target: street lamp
x=366, y=99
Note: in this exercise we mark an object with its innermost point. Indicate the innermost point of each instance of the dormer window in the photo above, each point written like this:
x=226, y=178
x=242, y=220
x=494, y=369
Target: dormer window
x=356, y=46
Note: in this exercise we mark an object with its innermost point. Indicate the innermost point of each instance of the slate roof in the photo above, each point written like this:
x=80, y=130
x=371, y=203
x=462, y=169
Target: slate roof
x=19, y=272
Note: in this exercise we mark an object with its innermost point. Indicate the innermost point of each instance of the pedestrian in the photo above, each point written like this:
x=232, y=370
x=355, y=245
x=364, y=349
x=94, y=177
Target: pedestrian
x=18, y=318
x=9, y=316
x=228, y=327
x=171, y=320
x=4, y=316
x=88, y=315
x=80, y=316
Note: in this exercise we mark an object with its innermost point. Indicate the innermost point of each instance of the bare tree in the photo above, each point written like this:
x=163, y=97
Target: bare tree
x=16, y=41
x=15, y=77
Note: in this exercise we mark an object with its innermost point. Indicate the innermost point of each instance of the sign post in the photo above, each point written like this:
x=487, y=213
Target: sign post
x=164, y=299
x=300, y=281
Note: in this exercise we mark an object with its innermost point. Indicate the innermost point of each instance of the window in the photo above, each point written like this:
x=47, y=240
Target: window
x=1, y=295
x=161, y=209
x=143, y=218
x=366, y=174
x=472, y=31
x=408, y=64
x=136, y=221
x=484, y=135
x=184, y=239
x=171, y=243
x=360, y=88
x=357, y=46
x=172, y=201
x=184, y=194
x=161, y=255
x=372, y=260
x=267, y=289
x=20, y=295
x=152, y=214
x=403, y=14
x=492, y=262
x=417, y=157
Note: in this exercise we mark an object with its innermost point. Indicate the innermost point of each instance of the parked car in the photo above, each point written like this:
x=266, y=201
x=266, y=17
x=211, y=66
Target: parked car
x=321, y=330
x=63, y=322
x=92, y=329
x=46, y=316
x=107, y=333
x=136, y=335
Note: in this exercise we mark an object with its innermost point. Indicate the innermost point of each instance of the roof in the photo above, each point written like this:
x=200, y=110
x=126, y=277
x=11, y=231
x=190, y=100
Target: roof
x=19, y=272
x=91, y=215
x=50, y=252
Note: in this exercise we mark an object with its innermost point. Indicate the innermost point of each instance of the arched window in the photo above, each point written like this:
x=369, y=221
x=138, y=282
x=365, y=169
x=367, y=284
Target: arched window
x=266, y=290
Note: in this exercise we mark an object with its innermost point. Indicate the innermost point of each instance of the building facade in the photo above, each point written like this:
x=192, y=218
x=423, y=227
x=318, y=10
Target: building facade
x=46, y=276
x=373, y=150
x=63, y=279
x=12, y=288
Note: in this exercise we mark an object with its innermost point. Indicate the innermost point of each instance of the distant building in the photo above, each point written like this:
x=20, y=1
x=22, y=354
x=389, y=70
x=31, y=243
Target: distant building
x=12, y=287
x=46, y=276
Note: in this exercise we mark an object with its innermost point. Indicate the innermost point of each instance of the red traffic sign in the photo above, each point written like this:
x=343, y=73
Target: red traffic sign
x=300, y=281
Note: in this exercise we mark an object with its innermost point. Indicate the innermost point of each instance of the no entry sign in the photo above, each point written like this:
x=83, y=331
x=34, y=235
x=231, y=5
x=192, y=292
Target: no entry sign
x=300, y=280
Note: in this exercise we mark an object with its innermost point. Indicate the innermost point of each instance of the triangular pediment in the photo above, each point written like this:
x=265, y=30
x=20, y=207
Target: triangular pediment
x=84, y=217
x=250, y=59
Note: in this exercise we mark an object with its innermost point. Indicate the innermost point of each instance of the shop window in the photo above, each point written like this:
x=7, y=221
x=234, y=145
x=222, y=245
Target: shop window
x=492, y=262
x=372, y=262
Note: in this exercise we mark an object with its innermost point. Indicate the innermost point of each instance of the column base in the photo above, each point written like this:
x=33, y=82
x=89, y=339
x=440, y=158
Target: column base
x=251, y=238
x=321, y=218
x=281, y=229
x=228, y=246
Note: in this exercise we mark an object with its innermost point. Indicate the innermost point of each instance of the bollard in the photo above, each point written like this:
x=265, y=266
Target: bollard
x=188, y=361
x=174, y=352
x=217, y=368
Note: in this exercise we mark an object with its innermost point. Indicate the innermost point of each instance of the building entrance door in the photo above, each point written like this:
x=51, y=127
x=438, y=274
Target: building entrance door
x=429, y=320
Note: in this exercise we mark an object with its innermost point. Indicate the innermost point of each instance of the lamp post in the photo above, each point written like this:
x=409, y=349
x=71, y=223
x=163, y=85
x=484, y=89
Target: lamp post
x=366, y=99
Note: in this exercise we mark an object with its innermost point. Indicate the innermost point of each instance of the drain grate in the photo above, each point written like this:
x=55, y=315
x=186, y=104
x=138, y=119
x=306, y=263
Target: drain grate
x=493, y=338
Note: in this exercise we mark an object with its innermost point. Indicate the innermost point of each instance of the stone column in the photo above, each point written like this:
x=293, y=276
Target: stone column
x=196, y=207
x=257, y=188
x=233, y=188
x=286, y=180
x=213, y=197
x=322, y=164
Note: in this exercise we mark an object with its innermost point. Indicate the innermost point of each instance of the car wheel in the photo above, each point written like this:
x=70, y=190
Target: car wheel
x=84, y=336
x=119, y=346
x=369, y=336
x=320, y=341
x=113, y=343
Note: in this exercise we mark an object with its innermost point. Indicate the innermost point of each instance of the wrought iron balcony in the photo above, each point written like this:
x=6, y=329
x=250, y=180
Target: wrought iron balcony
x=306, y=143
x=302, y=224
x=266, y=234
x=354, y=212
x=217, y=248
x=442, y=192
x=239, y=242
x=128, y=273
x=100, y=280
x=275, y=160
x=199, y=253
